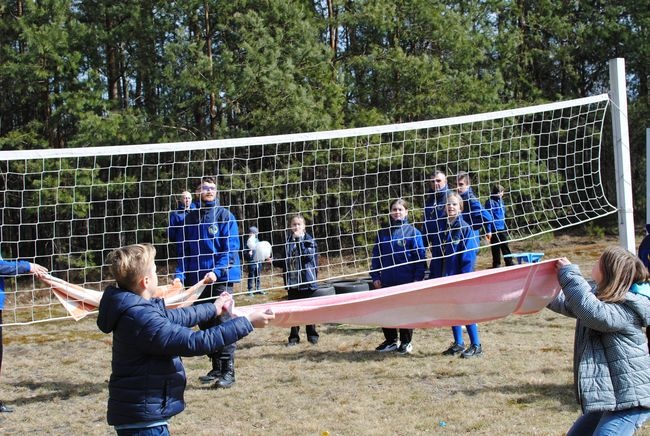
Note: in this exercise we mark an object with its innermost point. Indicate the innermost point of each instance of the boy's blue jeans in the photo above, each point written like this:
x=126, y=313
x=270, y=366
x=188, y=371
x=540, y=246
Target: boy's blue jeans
x=618, y=423
x=159, y=430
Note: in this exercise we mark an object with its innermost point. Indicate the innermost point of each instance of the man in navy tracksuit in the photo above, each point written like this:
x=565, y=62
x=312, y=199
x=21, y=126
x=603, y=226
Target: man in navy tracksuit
x=177, y=220
x=211, y=248
x=435, y=221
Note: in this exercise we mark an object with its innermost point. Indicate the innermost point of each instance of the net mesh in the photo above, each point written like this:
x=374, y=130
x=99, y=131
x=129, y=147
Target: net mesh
x=67, y=209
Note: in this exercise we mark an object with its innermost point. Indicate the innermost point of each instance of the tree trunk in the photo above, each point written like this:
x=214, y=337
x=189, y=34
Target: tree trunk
x=212, y=109
x=112, y=74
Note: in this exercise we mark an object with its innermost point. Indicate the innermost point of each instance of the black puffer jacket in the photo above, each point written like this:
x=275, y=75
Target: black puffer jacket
x=148, y=379
x=299, y=260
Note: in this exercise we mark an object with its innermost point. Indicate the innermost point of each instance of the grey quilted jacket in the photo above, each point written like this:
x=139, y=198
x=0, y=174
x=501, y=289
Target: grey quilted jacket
x=611, y=365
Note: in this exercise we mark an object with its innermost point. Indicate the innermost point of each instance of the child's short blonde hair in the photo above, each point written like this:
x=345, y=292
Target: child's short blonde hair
x=129, y=264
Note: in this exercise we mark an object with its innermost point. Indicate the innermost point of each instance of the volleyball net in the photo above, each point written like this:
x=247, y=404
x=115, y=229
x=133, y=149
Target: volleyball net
x=67, y=209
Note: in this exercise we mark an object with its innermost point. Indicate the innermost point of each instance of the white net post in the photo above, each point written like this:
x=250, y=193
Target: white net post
x=622, y=154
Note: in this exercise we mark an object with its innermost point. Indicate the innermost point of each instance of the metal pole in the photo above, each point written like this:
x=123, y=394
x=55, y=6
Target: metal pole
x=618, y=95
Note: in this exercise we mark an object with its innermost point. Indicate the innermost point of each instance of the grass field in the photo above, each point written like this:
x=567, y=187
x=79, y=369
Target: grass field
x=55, y=375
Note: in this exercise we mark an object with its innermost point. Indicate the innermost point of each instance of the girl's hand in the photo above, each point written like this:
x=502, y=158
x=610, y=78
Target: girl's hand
x=562, y=261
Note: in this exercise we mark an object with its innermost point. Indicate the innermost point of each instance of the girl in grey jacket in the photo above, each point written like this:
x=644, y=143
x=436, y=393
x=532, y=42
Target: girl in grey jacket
x=611, y=365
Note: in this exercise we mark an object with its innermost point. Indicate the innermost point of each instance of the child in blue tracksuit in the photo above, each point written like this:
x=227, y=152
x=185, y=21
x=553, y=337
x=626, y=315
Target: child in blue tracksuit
x=13, y=268
x=398, y=257
x=498, y=228
x=460, y=248
x=473, y=212
x=147, y=379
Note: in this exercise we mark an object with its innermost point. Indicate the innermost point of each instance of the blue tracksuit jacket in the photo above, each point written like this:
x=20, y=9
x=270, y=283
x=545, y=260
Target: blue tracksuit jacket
x=473, y=212
x=10, y=268
x=176, y=222
x=460, y=248
x=300, y=263
x=497, y=208
x=394, y=247
x=210, y=243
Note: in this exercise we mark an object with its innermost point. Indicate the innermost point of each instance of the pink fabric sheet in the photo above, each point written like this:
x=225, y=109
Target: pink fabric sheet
x=80, y=302
x=457, y=300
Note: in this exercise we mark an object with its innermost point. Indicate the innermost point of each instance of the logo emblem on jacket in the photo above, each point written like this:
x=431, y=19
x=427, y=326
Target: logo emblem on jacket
x=213, y=229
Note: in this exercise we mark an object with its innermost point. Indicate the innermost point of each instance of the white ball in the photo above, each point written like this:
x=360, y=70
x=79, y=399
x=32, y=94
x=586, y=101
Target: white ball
x=263, y=251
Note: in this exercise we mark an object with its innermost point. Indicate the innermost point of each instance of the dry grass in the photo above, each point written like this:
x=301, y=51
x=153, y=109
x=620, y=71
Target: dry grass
x=55, y=374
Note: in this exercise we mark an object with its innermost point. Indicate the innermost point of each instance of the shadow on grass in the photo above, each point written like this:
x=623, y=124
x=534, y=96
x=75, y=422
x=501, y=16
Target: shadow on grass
x=62, y=390
x=312, y=354
x=530, y=393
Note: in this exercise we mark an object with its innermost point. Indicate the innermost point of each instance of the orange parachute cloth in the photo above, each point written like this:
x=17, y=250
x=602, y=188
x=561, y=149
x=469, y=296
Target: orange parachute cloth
x=79, y=301
x=456, y=300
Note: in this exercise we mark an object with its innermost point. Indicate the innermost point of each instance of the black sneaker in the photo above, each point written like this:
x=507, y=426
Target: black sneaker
x=313, y=340
x=387, y=346
x=472, y=351
x=454, y=349
x=292, y=342
x=405, y=348
x=4, y=408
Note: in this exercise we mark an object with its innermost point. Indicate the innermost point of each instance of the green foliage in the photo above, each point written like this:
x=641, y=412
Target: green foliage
x=94, y=73
x=595, y=231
